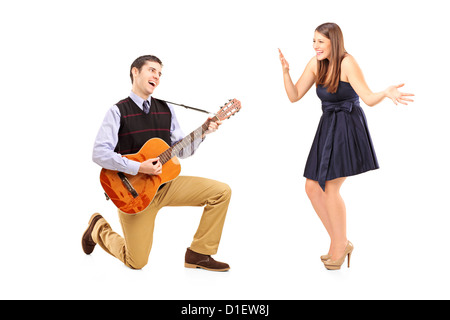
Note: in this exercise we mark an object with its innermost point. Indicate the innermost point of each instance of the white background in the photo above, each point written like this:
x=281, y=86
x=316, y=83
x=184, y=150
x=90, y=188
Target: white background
x=63, y=64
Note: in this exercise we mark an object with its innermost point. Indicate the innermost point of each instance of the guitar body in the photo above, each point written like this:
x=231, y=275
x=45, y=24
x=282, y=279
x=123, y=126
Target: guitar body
x=145, y=185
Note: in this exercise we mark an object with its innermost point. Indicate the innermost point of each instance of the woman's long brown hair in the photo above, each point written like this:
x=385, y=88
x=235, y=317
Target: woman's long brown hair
x=329, y=70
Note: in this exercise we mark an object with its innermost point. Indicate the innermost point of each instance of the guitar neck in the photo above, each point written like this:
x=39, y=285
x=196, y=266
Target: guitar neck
x=186, y=141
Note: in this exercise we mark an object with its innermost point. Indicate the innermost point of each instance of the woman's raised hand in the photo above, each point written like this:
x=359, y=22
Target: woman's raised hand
x=284, y=63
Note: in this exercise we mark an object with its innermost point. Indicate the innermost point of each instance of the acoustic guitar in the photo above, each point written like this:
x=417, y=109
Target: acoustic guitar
x=132, y=194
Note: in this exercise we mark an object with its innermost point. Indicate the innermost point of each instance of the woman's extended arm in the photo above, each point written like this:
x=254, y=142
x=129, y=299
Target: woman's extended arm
x=355, y=76
x=308, y=78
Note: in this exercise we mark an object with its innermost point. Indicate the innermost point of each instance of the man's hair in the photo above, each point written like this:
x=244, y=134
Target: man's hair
x=139, y=62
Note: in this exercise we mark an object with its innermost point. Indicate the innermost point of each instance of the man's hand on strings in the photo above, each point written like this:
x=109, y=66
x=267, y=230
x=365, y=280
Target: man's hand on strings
x=151, y=166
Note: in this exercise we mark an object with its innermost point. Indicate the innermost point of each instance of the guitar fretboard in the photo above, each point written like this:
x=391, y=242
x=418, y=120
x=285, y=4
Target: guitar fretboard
x=184, y=143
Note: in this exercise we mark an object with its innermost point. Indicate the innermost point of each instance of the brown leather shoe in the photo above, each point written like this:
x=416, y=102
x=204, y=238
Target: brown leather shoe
x=87, y=242
x=193, y=259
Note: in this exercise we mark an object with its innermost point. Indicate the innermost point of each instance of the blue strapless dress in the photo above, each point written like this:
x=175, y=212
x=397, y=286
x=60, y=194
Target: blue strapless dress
x=342, y=146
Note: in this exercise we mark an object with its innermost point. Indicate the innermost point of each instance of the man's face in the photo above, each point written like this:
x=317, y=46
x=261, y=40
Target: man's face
x=146, y=80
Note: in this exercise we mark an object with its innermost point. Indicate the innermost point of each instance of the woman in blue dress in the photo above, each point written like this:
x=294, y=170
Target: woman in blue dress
x=342, y=145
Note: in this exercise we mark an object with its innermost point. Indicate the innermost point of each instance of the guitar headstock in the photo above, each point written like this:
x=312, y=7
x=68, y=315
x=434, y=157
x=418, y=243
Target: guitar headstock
x=229, y=109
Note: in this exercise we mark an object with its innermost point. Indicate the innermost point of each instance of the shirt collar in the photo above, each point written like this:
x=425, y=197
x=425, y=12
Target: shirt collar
x=139, y=101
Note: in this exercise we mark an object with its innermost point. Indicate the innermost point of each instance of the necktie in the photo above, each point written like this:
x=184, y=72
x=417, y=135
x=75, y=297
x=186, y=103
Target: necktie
x=146, y=107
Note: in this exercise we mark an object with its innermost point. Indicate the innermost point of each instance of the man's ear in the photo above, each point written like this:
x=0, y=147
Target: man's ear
x=134, y=72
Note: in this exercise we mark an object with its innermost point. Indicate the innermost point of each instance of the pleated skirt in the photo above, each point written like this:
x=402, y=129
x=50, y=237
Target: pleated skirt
x=350, y=151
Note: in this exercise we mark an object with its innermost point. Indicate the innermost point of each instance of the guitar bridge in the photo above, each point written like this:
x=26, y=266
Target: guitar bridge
x=127, y=184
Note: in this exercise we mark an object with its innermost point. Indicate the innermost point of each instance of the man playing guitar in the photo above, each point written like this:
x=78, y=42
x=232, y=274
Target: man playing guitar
x=127, y=126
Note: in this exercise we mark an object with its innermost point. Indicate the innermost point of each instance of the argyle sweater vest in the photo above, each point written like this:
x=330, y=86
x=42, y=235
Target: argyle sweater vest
x=136, y=127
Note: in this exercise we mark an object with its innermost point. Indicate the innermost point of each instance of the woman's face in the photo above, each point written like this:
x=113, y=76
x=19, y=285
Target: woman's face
x=322, y=46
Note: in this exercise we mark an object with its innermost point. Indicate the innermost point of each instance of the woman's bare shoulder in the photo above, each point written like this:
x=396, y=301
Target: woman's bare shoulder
x=312, y=65
x=349, y=62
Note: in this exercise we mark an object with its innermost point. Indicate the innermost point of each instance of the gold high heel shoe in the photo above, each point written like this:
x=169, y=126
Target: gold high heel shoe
x=336, y=264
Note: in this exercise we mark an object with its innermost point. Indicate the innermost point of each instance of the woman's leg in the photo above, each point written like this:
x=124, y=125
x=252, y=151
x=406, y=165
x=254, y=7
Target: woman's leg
x=337, y=216
x=330, y=208
x=317, y=198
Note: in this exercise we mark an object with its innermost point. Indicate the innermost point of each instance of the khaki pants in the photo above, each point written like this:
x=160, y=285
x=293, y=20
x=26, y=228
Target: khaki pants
x=134, y=248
